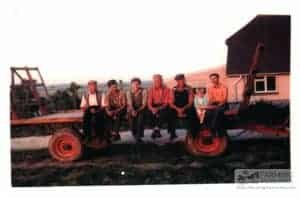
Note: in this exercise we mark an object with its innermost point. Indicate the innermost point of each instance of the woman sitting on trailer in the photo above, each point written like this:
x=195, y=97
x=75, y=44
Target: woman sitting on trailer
x=200, y=103
x=115, y=108
x=93, y=117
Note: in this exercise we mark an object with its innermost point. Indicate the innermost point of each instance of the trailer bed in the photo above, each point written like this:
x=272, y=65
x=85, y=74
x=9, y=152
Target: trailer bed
x=70, y=116
x=75, y=116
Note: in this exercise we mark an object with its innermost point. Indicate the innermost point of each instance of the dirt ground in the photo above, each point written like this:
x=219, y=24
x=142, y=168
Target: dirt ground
x=129, y=164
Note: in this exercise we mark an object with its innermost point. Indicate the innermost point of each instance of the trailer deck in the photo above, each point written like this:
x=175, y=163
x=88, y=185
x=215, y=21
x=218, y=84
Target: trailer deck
x=71, y=116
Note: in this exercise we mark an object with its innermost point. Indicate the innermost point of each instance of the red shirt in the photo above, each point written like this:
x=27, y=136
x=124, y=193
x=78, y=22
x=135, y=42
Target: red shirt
x=217, y=94
x=158, y=95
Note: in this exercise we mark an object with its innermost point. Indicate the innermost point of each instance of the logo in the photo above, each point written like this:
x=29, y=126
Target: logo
x=261, y=175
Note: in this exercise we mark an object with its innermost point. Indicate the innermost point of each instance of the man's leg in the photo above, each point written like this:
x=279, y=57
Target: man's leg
x=139, y=125
x=87, y=124
x=156, y=125
x=170, y=116
x=100, y=129
x=193, y=121
x=132, y=124
x=117, y=124
x=109, y=125
x=217, y=120
x=114, y=128
x=221, y=121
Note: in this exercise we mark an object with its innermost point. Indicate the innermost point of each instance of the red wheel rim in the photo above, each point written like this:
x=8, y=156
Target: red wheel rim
x=66, y=147
x=205, y=143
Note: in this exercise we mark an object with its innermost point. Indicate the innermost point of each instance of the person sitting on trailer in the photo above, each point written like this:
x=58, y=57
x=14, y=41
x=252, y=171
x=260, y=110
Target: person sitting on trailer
x=181, y=103
x=115, y=108
x=217, y=99
x=158, y=104
x=200, y=103
x=136, y=105
x=93, y=117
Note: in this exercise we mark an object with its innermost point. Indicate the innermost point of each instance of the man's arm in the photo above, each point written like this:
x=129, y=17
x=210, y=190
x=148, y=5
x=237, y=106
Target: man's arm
x=106, y=104
x=209, y=96
x=123, y=102
x=150, y=99
x=166, y=98
x=171, y=100
x=129, y=101
x=144, y=102
x=191, y=99
x=225, y=96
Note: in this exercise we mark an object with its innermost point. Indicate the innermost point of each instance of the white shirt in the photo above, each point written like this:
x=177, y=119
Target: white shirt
x=92, y=100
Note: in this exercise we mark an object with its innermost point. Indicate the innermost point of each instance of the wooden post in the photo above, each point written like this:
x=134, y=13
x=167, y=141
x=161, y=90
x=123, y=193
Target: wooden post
x=249, y=85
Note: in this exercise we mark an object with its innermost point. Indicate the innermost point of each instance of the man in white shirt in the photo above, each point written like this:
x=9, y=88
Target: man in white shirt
x=93, y=117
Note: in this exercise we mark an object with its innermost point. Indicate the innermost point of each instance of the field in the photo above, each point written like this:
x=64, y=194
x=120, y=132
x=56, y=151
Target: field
x=148, y=163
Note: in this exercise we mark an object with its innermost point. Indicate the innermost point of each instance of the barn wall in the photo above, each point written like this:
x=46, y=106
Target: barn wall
x=283, y=88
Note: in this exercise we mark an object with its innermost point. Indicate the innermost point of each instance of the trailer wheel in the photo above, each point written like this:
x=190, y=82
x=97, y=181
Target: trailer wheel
x=65, y=145
x=206, y=145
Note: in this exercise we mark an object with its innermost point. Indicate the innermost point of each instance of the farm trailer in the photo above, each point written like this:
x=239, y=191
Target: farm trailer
x=66, y=143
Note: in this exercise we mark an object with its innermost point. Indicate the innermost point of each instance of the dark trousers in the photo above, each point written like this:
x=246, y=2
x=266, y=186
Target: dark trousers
x=93, y=123
x=193, y=124
x=161, y=117
x=215, y=119
x=136, y=124
x=114, y=122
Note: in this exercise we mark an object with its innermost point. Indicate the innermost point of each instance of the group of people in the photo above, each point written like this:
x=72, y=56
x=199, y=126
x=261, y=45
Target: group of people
x=103, y=112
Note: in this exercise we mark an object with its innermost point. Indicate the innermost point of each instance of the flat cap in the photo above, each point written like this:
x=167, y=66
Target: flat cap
x=112, y=82
x=179, y=77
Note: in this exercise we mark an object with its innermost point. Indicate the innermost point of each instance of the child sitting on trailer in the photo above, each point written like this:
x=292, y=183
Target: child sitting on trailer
x=200, y=101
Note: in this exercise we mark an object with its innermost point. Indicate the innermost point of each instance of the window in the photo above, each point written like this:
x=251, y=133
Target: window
x=265, y=84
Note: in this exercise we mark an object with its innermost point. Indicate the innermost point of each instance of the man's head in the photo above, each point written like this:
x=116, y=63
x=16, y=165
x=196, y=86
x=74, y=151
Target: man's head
x=92, y=86
x=214, y=78
x=157, y=80
x=112, y=85
x=201, y=91
x=135, y=84
x=180, y=79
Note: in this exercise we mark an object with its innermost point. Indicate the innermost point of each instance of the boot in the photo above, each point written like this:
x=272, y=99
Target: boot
x=173, y=136
x=156, y=133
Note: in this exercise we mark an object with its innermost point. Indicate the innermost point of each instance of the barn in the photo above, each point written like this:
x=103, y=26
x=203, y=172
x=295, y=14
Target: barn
x=273, y=70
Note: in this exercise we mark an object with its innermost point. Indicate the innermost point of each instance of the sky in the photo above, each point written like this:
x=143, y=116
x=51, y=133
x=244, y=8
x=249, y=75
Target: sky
x=82, y=40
